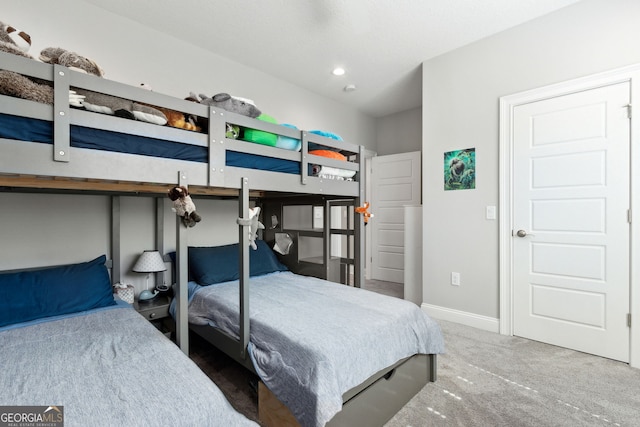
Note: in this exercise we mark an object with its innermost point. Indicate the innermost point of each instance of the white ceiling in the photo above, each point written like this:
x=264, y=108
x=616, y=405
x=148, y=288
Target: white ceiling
x=380, y=43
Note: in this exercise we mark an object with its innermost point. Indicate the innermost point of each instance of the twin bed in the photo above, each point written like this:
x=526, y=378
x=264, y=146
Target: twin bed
x=66, y=342
x=327, y=353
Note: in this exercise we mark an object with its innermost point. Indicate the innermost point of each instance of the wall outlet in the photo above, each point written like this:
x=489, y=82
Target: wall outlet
x=455, y=279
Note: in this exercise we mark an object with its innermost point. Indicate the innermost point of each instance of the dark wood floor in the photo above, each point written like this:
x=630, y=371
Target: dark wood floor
x=236, y=382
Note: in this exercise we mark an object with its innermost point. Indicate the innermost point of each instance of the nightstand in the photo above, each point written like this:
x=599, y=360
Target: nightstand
x=156, y=311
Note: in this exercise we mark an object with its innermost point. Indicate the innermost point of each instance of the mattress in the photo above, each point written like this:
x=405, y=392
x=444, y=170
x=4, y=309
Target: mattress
x=312, y=340
x=108, y=367
x=41, y=131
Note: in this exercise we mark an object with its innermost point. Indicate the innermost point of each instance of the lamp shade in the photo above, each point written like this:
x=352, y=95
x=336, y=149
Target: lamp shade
x=149, y=262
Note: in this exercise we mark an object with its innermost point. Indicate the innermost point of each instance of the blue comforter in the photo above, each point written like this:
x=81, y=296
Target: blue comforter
x=313, y=340
x=109, y=367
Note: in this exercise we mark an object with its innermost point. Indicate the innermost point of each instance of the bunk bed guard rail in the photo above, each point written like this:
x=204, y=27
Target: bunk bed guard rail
x=212, y=167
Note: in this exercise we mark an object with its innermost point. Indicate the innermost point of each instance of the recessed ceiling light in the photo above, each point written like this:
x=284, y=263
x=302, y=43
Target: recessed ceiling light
x=338, y=71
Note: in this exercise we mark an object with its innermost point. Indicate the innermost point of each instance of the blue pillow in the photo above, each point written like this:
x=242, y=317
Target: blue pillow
x=217, y=264
x=314, y=146
x=30, y=295
x=287, y=142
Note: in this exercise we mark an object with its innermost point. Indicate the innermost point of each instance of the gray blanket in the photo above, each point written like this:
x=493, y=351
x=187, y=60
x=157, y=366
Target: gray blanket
x=109, y=368
x=313, y=340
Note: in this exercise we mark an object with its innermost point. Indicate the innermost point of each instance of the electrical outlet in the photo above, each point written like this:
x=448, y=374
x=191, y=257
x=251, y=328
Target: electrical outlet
x=455, y=279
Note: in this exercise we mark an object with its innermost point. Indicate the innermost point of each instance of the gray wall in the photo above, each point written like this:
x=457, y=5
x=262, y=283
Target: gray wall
x=133, y=54
x=38, y=229
x=48, y=229
x=400, y=132
x=461, y=90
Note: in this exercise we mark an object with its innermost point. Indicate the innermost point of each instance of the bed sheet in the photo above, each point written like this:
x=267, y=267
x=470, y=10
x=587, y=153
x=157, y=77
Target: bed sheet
x=109, y=367
x=312, y=340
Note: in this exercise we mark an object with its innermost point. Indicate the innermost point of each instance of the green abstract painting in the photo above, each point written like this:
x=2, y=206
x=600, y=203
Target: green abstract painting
x=460, y=169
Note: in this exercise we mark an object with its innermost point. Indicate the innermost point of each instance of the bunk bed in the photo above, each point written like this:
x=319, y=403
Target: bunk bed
x=66, y=341
x=59, y=148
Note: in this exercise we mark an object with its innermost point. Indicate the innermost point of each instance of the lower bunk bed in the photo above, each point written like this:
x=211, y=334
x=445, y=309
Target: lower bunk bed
x=326, y=353
x=92, y=360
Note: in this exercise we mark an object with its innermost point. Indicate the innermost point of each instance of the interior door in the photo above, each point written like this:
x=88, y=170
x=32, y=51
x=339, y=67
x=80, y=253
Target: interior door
x=395, y=182
x=571, y=200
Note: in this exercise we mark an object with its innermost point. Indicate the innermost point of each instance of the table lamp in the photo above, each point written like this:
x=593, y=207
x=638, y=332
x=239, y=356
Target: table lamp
x=149, y=262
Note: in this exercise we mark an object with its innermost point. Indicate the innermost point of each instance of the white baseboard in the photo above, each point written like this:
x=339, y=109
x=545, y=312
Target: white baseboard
x=470, y=319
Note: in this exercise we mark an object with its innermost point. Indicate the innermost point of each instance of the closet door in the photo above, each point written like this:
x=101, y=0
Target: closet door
x=395, y=183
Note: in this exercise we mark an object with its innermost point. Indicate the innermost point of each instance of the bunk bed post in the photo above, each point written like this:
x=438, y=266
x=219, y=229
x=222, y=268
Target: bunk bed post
x=304, y=151
x=61, y=124
x=358, y=229
x=115, y=239
x=326, y=253
x=243, y=230
x=182, y=296
x=160, y=245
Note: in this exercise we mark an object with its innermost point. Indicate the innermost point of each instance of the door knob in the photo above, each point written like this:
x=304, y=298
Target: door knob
x=521, y=233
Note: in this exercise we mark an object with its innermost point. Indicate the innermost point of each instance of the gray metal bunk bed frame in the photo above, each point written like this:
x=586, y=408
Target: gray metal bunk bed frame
x=62, y=167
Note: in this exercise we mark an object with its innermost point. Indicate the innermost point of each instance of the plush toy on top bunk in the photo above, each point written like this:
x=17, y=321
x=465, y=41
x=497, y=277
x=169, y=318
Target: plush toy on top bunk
x=175, y=118
x=32, y=89
x=14, y=84
x=98, y=102
x=183, y=206
x=235, y=104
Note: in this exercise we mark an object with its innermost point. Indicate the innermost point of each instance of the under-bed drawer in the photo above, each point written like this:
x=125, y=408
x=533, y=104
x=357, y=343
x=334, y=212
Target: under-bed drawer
x=379, y=402
x=376, y=404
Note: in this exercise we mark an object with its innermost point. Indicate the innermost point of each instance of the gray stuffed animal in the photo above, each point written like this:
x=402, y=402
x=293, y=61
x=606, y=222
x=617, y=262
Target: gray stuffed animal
x=98, y=102
x=234, y=104
x=254, y=225
x=19, y=86
x=14, y=84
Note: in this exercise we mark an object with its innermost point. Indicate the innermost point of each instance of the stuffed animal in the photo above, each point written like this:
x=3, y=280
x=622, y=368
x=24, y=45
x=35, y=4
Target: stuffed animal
x=364, y=210
x=175, y=119
x=14, y=84
x=254, y=225
x=183, y=206
x=19, y=86
x=178, y=120
x=98, y=102
x=235, y=104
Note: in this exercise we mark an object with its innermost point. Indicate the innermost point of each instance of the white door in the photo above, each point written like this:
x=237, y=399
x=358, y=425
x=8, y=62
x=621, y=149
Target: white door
x=571, y=197
x=395, y=182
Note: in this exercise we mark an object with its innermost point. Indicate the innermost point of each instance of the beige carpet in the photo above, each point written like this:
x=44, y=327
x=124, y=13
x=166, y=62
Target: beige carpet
x=487, y=379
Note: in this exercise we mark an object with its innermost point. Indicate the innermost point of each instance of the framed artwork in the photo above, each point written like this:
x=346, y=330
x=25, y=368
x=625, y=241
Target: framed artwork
x=460, y=169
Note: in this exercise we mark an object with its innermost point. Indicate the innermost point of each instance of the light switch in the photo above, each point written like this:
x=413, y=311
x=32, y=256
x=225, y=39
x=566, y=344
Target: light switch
x=491, y=212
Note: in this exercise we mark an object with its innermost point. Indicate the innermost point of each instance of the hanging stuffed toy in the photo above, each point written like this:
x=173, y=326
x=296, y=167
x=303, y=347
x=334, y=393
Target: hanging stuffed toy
x=254, y=226
x=364, y=210
x=183, y=206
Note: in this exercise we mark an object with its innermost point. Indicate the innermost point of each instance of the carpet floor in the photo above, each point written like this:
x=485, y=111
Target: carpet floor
x=485, y=379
